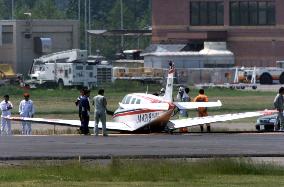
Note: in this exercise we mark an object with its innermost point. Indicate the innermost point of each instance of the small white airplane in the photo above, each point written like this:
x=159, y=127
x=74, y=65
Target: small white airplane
x=150, y=113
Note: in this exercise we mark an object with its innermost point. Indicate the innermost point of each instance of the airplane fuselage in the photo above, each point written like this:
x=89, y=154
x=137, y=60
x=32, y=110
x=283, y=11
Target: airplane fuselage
x=143, y=118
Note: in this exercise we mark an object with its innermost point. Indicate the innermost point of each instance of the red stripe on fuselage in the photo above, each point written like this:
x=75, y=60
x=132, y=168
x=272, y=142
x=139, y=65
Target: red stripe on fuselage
x=135, y=112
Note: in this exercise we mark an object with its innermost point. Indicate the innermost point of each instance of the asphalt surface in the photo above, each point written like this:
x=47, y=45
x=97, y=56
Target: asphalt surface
x=194, y=145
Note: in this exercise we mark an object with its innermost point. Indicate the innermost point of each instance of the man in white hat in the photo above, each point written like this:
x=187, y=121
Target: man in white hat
x=26, y=109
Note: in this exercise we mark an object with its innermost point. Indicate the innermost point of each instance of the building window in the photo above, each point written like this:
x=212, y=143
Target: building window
x=252, y=13
x=206, y=13
x=7, y=34
x=7, y=38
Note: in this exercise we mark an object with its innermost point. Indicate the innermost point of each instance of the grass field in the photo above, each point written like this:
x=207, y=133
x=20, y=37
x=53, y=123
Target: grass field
x=216, y=172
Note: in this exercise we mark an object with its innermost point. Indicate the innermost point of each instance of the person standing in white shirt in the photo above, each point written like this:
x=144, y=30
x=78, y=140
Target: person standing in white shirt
x=100, y=104
x=6, y=107
x=26, y=109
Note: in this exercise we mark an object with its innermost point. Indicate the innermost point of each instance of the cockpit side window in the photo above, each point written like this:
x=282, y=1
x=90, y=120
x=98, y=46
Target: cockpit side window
x=133, y=100
x=124, y=99
x=128, y=99
x=138, y=101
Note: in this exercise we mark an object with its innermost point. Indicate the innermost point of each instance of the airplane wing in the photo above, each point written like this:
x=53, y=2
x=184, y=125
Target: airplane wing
x=174, y=124
x=152, y=106
x=193, y=105
x=74, y=123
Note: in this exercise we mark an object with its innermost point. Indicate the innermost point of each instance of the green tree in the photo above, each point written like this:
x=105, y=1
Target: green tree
x=6, y=10
x=20, y=9
x=46, y=10
x=3, y=9
x=114, y=16
x=26, y=3
x=72, y=9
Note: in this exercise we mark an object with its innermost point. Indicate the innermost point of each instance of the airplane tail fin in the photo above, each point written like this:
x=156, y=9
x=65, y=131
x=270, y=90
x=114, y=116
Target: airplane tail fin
x=170, y=81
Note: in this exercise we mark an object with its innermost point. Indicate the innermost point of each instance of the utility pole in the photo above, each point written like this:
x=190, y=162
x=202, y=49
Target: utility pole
x=12, y=7
x=121, y=24
x=90, y=24
x=85, y=24
x=79, y=10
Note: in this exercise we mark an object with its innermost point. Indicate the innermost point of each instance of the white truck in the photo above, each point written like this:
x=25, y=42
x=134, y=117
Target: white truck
x=265, y=75
x=68, y=68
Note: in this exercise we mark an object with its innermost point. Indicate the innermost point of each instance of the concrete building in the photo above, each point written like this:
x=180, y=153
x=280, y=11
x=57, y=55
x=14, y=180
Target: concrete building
x=21, y=41
x=253, y=29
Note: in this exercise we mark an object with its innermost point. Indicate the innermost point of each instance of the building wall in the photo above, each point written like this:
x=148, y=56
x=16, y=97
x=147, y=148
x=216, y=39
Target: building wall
x=64, y=35
x=252, y=45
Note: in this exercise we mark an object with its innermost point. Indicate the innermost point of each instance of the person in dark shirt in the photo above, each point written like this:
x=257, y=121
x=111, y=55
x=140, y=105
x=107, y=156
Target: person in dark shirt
x=84, y=112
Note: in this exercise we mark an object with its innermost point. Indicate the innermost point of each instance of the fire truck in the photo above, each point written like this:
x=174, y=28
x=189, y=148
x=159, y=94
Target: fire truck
x=68, y=68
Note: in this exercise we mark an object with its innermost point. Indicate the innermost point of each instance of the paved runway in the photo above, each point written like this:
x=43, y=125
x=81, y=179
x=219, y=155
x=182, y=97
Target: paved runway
x=188, y=145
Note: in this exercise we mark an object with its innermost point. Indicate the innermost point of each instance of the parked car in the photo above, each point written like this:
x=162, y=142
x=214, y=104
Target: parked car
x=266, y=123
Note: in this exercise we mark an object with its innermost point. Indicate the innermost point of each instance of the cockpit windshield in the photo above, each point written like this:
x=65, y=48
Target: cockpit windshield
x=126, y=99
x=130, y=100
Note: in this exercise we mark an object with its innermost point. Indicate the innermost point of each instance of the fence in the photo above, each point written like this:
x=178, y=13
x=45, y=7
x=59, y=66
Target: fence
x=205, y=75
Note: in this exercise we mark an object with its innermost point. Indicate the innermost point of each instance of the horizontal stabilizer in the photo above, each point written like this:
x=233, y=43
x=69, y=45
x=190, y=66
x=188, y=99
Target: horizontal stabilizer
x=73, y=123
x=217, y=118
x=151, y=106
x=194, y=105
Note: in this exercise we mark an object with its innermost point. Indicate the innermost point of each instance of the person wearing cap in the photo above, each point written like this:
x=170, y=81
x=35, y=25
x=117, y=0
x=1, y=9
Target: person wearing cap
x=26, y=109
x=6, y=107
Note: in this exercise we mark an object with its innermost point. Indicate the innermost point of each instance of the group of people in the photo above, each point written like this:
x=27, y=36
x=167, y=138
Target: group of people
x=26, y=109
x=100, y=104
x=183, y=96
